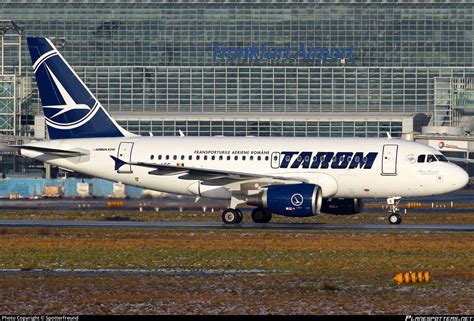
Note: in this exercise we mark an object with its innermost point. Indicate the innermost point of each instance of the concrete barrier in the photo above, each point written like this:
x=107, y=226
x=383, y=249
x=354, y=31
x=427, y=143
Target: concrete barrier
x=28, y=187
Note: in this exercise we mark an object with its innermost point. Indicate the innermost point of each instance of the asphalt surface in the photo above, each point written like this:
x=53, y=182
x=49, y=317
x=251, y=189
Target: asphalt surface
x=175, y=203
x=243, y=226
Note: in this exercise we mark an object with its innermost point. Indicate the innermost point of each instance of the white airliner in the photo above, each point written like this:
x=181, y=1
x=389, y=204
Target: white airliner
x=286, y=176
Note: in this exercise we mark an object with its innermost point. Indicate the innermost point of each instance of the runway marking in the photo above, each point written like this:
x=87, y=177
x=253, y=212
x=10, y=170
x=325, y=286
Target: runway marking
x=243, y=226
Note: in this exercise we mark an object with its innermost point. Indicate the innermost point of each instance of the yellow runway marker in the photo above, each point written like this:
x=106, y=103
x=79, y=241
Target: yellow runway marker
x=412, y=277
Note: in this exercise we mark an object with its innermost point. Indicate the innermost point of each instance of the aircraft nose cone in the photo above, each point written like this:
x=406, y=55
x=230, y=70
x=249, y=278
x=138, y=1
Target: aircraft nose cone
x=460, y=177
x=464, y=178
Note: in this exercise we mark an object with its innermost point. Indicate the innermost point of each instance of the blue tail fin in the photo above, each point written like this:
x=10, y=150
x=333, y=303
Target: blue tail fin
x=70, y=109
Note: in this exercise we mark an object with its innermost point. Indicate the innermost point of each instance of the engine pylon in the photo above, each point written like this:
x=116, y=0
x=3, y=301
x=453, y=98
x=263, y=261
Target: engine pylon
x=412, y=277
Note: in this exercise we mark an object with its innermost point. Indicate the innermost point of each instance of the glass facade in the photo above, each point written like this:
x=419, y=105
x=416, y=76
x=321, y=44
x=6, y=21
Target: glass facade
x=360, y=57
x=7, y=104
x=172, y=33
x=288, y=128
x=267, y=89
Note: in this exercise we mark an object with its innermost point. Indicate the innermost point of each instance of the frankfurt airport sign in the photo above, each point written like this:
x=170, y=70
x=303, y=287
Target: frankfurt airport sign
x=264, y=53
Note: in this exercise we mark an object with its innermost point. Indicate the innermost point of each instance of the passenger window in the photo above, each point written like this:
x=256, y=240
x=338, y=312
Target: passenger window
x=182, y=157
x=205, y=157
x=152, y=157
x=175, y=157
x=287, y=158
x=357, y=159
x=220, y=157
x=421, y=159
x=236, y=157
x=306, y=158
x=243, y=157
x=228, y=157
x=349, y=159
x=213, y=157
x=275, y=158
x=198, y=157
x=167, y=157
x=259, y=157
x=190, y=157
x=159, y=157
x=341, y=159
x=251, y=158
x=266, y=158
x=431, y=159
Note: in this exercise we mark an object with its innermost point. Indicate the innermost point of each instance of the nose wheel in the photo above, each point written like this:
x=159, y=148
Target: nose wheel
x=394, y=217
x=232, y=216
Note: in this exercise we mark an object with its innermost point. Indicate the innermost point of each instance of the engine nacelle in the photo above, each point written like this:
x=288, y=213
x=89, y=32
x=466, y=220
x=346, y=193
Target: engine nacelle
x=289, y=200
x=342, y=206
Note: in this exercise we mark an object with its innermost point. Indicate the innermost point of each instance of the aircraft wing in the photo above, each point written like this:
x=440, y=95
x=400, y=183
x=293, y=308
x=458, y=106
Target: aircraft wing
x=211, y=177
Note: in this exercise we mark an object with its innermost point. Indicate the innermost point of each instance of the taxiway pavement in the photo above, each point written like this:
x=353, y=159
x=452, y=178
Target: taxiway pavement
x=242, y=226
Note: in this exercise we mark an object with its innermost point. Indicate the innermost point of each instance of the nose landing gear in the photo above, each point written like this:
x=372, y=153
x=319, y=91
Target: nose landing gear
x=394, y=217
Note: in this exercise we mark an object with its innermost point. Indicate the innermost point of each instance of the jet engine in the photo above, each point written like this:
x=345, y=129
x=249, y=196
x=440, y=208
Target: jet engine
x=342, y=206
x=294, y=200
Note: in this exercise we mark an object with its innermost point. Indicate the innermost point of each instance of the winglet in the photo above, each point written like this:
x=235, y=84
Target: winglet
x=118, y=162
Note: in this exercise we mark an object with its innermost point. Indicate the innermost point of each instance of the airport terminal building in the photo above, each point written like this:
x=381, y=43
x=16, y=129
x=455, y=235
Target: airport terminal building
x=328, y=68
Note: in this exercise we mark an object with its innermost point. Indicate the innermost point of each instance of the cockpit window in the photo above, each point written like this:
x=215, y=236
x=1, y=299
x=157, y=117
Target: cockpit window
x=421, y=159
x=431, y=158
x=441, y=157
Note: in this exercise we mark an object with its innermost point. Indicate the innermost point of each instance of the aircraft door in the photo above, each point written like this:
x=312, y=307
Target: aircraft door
x=389, y=159
x=275, y=160
x=125, y=154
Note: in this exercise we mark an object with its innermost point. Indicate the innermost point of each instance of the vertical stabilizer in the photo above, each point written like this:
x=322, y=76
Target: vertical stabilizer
x=69, y=107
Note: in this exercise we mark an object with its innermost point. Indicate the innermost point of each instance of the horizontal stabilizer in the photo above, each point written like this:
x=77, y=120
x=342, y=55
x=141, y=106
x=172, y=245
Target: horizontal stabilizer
x=47, y=150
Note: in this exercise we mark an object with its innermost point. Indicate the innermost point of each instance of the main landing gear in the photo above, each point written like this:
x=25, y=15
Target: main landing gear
x=232, y=216
x=394, y=217
x=261, y=215
x=235, y=216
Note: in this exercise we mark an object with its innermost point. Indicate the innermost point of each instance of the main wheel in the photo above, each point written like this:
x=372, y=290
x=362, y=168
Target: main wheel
x=240, y=216
x=230, y=216
x=395, y=219
x=260, y=215
x=268, y=216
